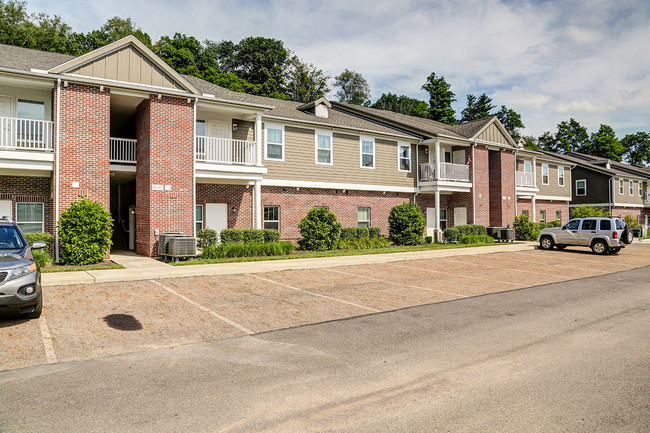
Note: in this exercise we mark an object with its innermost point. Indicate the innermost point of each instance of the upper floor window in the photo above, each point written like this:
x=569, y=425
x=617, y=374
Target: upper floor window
x=367, y=152
x=544, y=174
x=404, y=157
x=34, y=110
x=323, y=148
x=581, y=187
x=560, y=175
x=621, y=186
x=528, y=167
x=640, y=189
x=200, y=128
x=274, y=142
x=631, y=187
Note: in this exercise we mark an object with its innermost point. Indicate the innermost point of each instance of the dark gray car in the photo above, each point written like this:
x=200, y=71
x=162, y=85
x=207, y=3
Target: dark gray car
x=20, y=277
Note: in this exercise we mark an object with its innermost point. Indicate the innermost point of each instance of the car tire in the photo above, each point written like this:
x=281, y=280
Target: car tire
x=599, y=247
x=560, y=247
x=546, y=243
x=38, y=309
x=627, y=236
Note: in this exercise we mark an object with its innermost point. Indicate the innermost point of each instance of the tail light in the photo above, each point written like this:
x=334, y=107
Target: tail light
x=615, y=234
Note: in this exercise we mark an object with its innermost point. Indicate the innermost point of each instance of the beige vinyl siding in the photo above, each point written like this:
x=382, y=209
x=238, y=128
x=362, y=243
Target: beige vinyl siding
x=299, y=161
x=626, y=198
x=245, y=130
x=127, y=65
x=493, y=134
x=553, y=188
x=520, y=165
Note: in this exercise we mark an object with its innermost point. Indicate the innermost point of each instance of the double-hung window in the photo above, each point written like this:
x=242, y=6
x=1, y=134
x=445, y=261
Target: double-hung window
x=542, y=216
x=544, y=174
x=443, y=219
x=640, y=189
x=621, y=187
x=274, y=142
x=560, y=175
x=29, y=217
x=404, y=156
x=198, y=223
x=631, y=187
x=367, y=152
x=558, y=216
x=581, y=187
x=272, y=217
x=363, y=217
x=324, y=147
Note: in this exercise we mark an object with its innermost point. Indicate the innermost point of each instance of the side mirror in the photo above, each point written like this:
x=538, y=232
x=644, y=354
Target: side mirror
x=38, y=245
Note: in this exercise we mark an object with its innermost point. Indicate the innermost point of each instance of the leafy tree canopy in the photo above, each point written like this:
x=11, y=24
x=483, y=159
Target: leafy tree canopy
x=511, y=120
x=571, y=136
x=637, y=148
x=440, y=99
x=352, y=88
x=605, y=144
x=402, y=104
x=305, y=82
x=477, y=108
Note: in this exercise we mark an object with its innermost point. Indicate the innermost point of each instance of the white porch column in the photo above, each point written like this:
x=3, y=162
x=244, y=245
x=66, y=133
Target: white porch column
x=437, y=216
x=257, y=205
x=258, y=138
x=535, y=171
x=437, y=161
x=534, y=213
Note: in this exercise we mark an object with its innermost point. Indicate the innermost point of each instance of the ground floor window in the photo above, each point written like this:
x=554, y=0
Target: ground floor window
x=199, y=218
x=525, y=212
x=558, y=216
x=272, y=217
x=363, y=217
x=443, y=219
x=542, y=216
x=29, y=217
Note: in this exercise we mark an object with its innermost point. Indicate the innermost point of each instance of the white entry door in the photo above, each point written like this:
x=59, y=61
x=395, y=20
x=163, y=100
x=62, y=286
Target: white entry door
x=216, y=216
x=5, y=208
x=431, y=220
x=460, y=216
x=5, y=124
x=458, y=157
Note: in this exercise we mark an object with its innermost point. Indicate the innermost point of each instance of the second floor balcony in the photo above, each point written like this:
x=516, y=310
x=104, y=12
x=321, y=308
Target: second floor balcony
x=524, y=179
x=25, y=134
x=448, y=171
x=225, y=151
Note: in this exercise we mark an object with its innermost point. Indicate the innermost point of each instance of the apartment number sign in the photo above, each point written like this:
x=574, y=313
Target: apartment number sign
x=155, y=187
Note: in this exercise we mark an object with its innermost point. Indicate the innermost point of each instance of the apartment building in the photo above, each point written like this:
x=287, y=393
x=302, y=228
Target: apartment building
x=166, y=152
x=620, y=188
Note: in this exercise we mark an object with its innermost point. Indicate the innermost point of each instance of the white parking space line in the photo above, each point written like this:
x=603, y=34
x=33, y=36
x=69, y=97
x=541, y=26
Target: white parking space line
x=50, y=355
x=398, y=284
x=447, y=274
x=314, y=293
x=202, y=308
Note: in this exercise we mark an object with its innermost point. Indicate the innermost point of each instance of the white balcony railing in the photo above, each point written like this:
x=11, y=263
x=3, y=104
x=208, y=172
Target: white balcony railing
x=524, y=179
x=225, y=151
x=122, y=150
x=448, y=171
x=25, y=134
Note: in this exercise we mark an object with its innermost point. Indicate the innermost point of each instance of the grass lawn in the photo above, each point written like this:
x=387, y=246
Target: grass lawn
x=97, y=267
x=333, y=253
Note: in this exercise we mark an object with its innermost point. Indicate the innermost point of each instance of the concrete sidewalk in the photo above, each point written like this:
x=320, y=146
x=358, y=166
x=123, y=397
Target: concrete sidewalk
x=144, y=268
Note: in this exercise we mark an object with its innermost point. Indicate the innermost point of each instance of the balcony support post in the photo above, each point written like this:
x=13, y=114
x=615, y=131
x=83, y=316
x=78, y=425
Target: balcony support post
x=257, y=205
x=437, y=216
x=534, y=213
x=258, y=139
x=437, y=156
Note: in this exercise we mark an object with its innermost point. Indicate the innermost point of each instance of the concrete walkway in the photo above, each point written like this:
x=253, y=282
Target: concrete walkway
x=144, y=268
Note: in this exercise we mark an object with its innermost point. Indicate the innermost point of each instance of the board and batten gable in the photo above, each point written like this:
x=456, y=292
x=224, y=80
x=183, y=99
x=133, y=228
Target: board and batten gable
x=299, y=160
x=494, y=135
x=553, y=189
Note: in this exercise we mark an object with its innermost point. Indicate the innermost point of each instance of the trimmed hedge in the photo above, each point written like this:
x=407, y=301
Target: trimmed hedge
x=359, y=232
x=43, y=237
x=456, y=233
x=85, y=230
x=363, y=243
x=247, y=236
x=477, y=239
x=406, y=224
x=320, y=230
x=528, y=230
x=374, y=232
x=234, y=249
x=206, y=237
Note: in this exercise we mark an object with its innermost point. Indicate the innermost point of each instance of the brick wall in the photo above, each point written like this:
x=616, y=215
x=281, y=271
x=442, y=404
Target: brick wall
x=164, y=131
x=550, y=206
x=502, y=188
x=29, y=189
x=481, y=185
x=449, y=202
x=237, y=197
x=84, y=131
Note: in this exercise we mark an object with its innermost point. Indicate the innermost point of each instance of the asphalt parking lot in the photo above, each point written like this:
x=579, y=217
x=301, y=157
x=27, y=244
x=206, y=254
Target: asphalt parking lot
x=87, y=321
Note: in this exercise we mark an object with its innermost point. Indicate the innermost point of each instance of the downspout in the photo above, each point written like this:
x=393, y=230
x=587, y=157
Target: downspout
x=196, y=100
x=612, y=197
x=515, y=172
x=417, y=172
x=56, y=171
x=474, y=185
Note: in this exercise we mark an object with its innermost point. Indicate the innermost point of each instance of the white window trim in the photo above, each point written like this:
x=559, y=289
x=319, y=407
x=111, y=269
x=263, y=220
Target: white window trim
x=563, y=177
x=401, y=144
x=548, y=175
x=621, y=186
x=445, y=219
x=631, y=188
x=369, y=215
x=581, y=180
x=542, y=211
x=329, y=134
x=374, y=146
x=272, y=221
x=202, y=216
x=530, y=163
x=556, y=218
x=31, y=222
x=640, y=189
x=268, y=126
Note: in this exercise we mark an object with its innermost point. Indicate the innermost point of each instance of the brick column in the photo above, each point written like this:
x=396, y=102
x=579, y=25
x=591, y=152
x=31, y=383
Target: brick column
x=502, y=188
x=481, y=184
x=165, y=133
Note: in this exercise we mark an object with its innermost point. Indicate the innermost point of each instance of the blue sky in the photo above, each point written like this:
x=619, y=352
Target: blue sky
x=548, y=60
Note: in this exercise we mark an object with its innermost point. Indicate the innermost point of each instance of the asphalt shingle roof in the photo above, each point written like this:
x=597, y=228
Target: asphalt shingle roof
x=588, y=161
x=25, y=59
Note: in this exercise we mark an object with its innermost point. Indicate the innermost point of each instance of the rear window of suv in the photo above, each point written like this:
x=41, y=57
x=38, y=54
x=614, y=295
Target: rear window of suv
x=605, y=225
x=10, y=238
x=620, y=225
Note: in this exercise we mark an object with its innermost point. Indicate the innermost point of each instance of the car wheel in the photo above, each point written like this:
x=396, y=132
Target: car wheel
x=615, y=250
x=38, y=309
x=546, y=242
x=628, y=236
x=560, y=247
x=599, y=247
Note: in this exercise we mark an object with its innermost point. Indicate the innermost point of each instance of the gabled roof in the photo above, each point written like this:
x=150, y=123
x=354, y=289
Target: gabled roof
x=602, y=162
x=586, y=161
x=26, y=59
x=132, y=58
x=312, y=104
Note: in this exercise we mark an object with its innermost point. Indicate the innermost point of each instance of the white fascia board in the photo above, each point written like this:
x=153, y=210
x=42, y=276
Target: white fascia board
x=124, y=168
x=527, y=190
x=629, y=204
x=211, y=175
x=15, y=160
x=443, y=185
x=328, y=185
x=233, y=169
x=553, y=198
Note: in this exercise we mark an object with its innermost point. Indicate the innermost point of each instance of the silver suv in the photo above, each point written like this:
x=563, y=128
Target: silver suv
x=601, y=234
x=20, y=278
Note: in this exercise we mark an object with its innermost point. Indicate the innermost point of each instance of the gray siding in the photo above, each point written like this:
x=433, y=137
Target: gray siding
x=597, y=186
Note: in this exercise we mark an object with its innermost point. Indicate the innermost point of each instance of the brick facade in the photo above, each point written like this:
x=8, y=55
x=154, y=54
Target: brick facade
x=165, y=131
x=502, y=188
x=30, y=190
x=238, y=198
x=448, y=202
x=550, y=206
x=481, y=183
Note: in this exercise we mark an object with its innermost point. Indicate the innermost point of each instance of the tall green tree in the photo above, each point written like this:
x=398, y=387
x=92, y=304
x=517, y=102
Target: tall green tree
x=402, y=104
x=637, y=148
x=511, y=120
x=113, y=30
x=304, y=81
x=184, y=54
x=605, y=144
x=571, y=136
x=352, y=88
x=440, y=99
x=530, y=142
x=477, y=108
x=16, y=27
x=546, y=141
x=261, y=62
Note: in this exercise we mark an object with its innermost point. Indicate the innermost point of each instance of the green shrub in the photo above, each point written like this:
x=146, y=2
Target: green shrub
x=585, y=211
x=452, y=235
x=631, y=221
x=406, y=224
x=320, y=230
x=476, y=239
x=206, y=237
x=348, y=233
x=374, y=232
x=222, y=251
x=229, y=236
x=85, y=230
x=524, y=228
x=252, y=236
x=271, y=235
x=471, y=229
x=42, y=258
x=363, y=243
x=428, y=239
x=248, y=236
x=42, y=237
x=363, y=232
